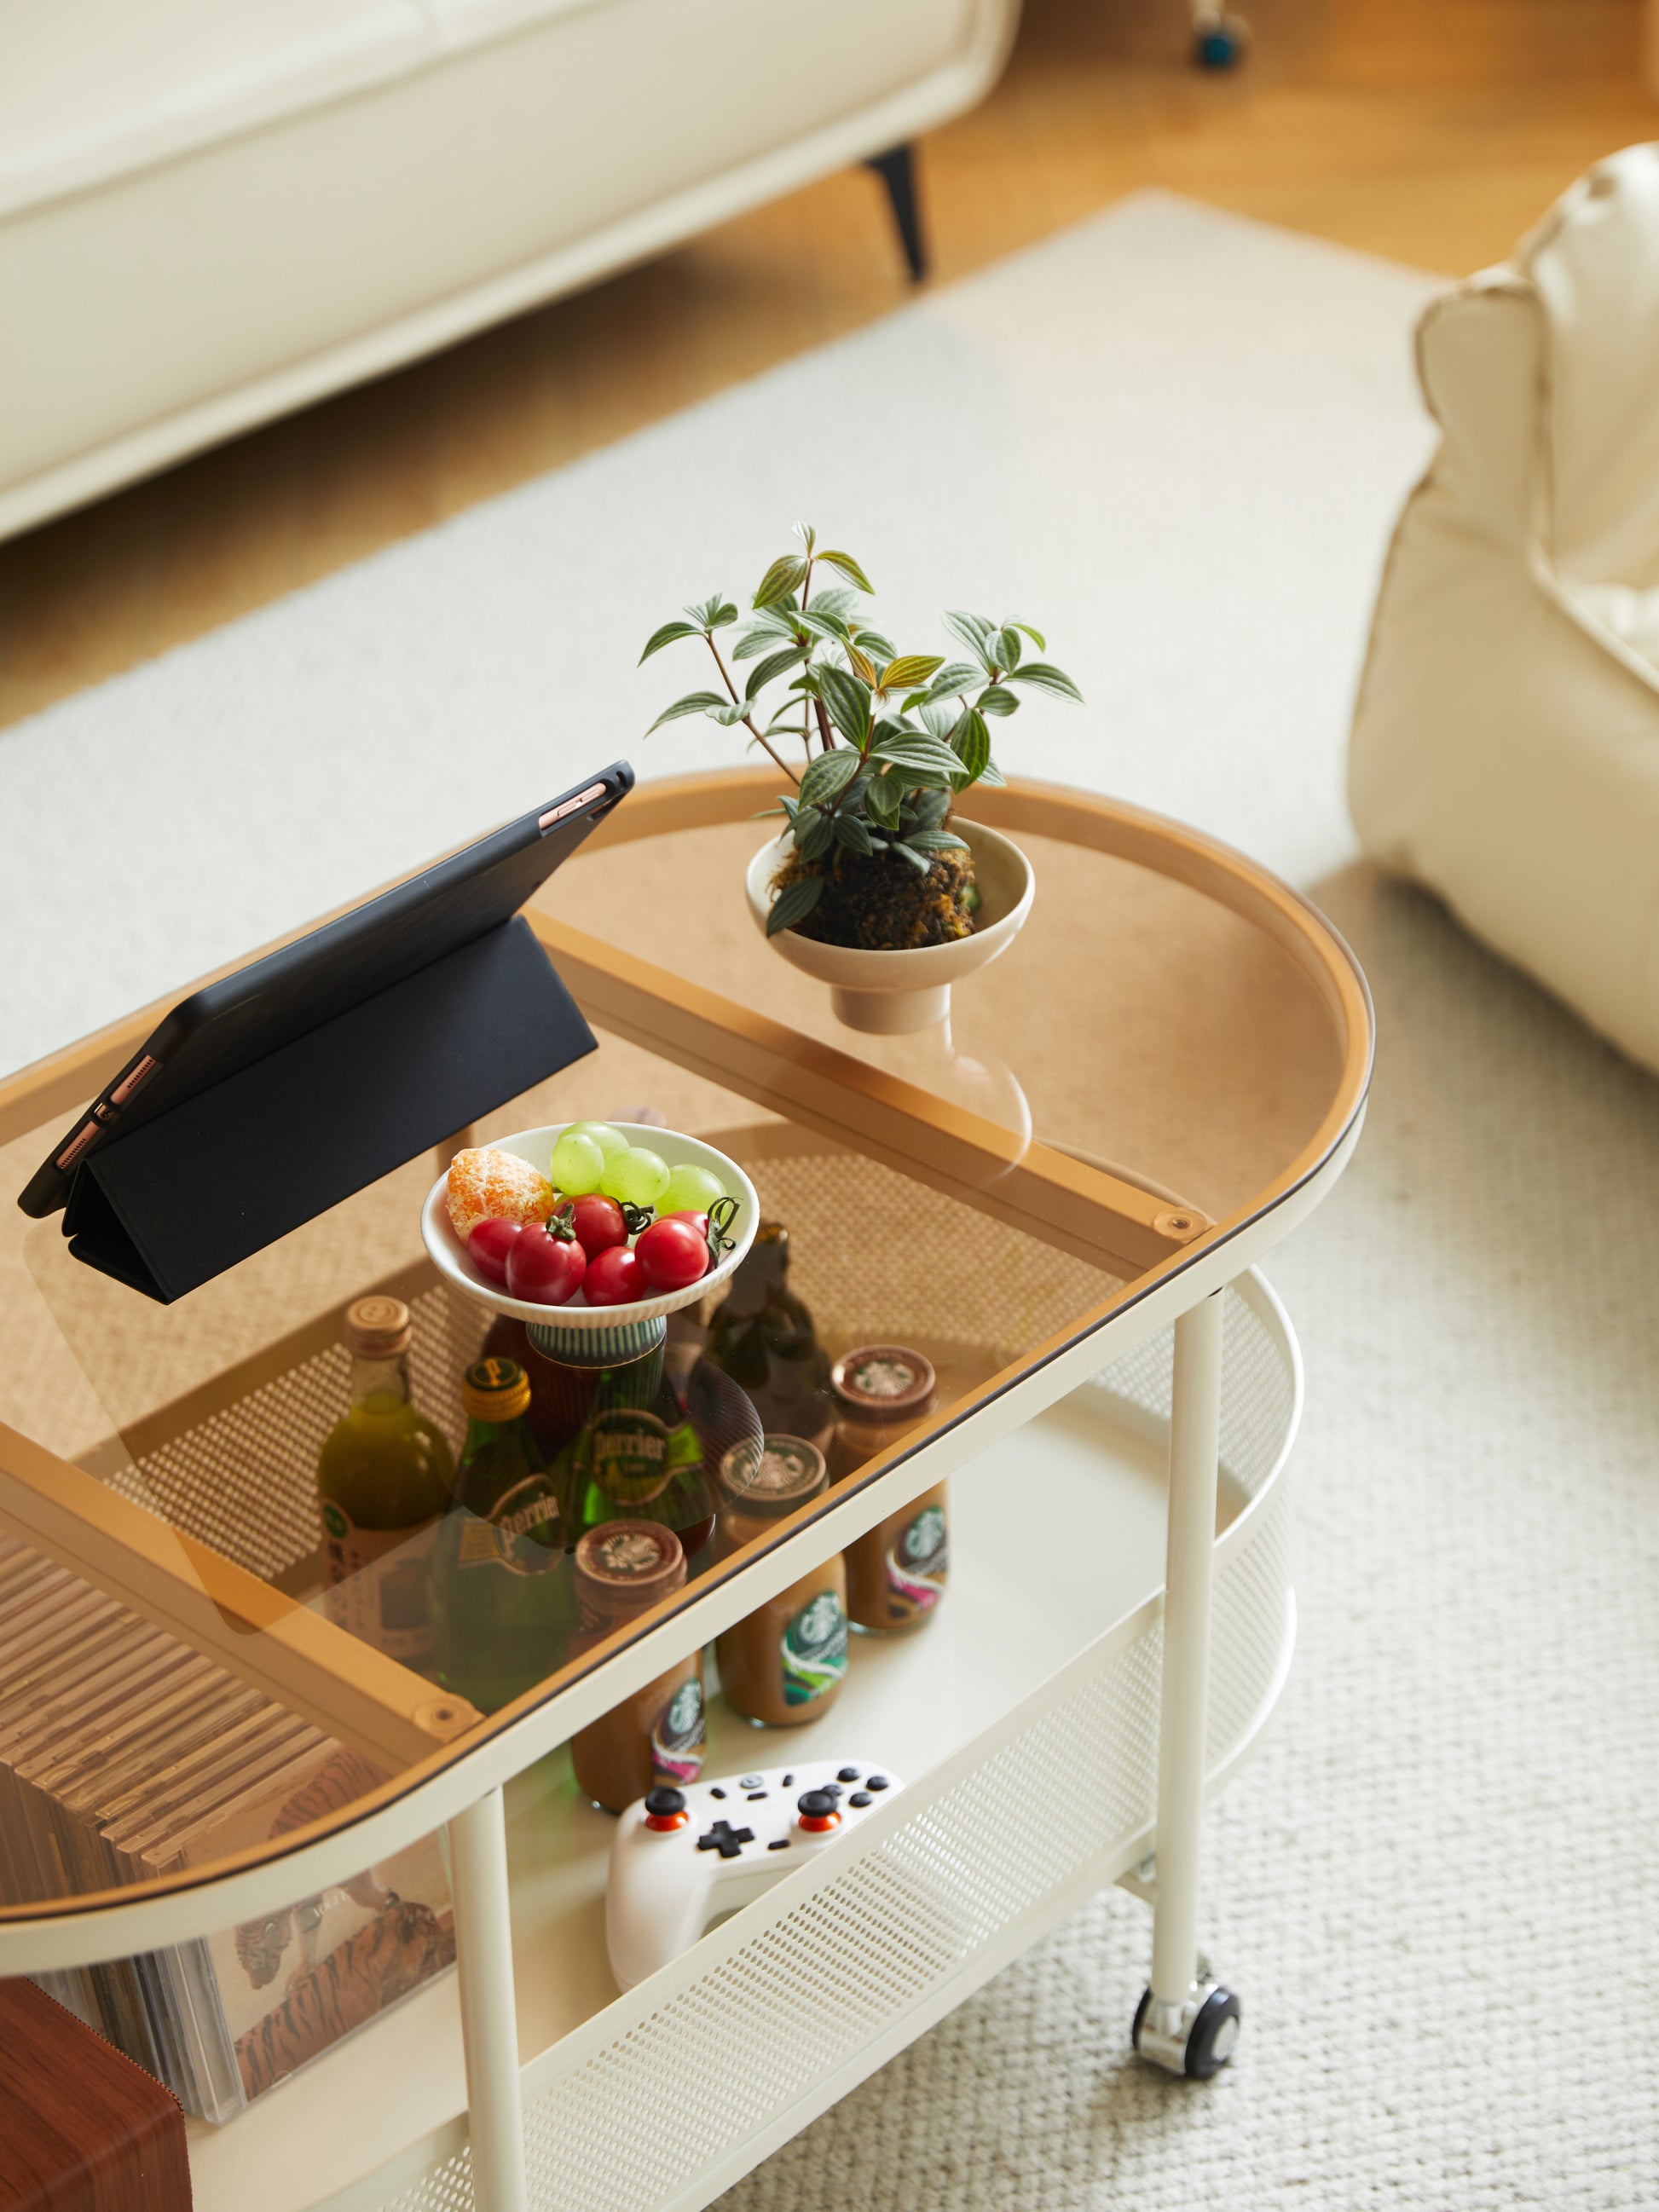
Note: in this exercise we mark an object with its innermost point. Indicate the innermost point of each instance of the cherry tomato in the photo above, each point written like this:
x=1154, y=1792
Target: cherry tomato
x=491, y=1244
x=673, y=1253
x=597, y=1224
x=699, y=1222
x=544, y=1266
x=615, y=1277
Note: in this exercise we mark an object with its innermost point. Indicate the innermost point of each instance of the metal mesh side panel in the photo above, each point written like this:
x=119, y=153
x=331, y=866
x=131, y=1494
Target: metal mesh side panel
x=1248, y=1620
x=245, y=1481
x=1258, y=1390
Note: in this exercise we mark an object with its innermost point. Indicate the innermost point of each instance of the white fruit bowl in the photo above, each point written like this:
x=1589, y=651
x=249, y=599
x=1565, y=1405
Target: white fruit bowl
x=454, y=1262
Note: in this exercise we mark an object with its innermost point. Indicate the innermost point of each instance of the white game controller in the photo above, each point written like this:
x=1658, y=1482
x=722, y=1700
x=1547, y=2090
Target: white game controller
x=683, y=1858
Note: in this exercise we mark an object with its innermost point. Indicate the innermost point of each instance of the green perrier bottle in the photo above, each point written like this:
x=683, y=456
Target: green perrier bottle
x=503, y=1594
x=638, y=1451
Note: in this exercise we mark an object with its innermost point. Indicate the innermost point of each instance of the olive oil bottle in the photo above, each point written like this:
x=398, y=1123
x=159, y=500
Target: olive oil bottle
x=383, y=1484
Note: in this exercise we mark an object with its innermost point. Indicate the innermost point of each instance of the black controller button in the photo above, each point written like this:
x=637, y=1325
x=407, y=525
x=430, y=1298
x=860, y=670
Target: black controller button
x=861, y=1797
x=847, y=1774
x=666, y=1803
x=876, y=1782
x=726, y=1839
x=754, y=1794
x=781, y=1844
x=788, y=1782
x=818, y=1804
x=717, y=1793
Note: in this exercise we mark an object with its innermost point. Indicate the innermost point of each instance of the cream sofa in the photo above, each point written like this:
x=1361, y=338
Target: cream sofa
x=215, y=210
x=1505, y=747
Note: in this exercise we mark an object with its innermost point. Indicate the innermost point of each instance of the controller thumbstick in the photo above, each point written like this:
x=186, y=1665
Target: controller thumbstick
x=817, y=1813
x=665, y=1810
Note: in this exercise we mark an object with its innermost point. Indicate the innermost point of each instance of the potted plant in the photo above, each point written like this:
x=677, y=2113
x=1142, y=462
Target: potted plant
x=874, y=885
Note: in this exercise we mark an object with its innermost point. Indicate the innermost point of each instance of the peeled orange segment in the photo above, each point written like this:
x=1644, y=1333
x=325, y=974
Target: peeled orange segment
x=485, y=1185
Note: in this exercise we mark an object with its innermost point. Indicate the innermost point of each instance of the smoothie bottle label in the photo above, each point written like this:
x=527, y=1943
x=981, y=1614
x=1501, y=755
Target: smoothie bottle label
x=917, y=1565
x=677, y=1737
x=377, y=1583
x=814, y=1650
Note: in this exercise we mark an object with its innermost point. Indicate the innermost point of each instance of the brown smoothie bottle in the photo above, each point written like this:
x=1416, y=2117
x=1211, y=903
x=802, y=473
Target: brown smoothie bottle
x=623, y=1567
x=897, y=1572
x=784, y=1663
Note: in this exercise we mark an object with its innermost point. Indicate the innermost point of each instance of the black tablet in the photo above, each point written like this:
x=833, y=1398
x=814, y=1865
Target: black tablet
x=334, y=1007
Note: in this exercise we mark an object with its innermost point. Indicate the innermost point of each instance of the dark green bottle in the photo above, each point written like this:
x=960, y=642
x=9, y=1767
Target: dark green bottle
x=503, y=1600
x=764, y=1339
x=636, y=1450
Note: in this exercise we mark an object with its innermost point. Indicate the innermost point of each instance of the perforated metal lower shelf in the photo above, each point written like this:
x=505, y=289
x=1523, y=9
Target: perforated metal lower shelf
x=1025, y=1808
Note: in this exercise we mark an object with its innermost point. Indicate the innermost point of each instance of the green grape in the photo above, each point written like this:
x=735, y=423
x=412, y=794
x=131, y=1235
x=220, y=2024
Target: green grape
x=578, y=1164
x=610, y=1141
x=691, y=1189
x=634, y=1177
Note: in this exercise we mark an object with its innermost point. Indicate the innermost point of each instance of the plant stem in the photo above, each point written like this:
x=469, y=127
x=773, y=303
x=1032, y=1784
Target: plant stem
x=748, y=720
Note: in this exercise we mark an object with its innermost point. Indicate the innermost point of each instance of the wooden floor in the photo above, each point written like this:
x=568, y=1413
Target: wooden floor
x=1432, y=131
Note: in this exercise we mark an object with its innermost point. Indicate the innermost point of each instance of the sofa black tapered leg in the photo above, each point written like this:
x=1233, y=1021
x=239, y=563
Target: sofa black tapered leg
x=897, y=171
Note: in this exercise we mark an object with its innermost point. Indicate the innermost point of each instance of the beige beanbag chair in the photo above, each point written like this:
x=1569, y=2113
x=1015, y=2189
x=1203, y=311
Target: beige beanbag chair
x=1505, y=746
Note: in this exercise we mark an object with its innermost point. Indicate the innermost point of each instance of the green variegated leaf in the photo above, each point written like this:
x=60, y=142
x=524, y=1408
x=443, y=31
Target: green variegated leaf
x=814, y=833
x=729, y=712
x=1046, y=679
x=937, y=840
x=882, y=800
x=694, y=703
x=836, y=600
x=667, y=635
x=915, y=753
x=817, y=624
x=827, y=776
x=853, y=834
x=976, y=633
x=910, y=668
x=1035, y=635
x=849, y=569
x=780, y=580
x=773, y=665
x=953, y=680
x=849, y=702
x=997, y=699
x=938, y=719
x=726, y=612
x=919, y=861
x=793, y=903
x=990, y=774
x=972, y=743
x=807, y=535
x=861, y=666
x=930, y=809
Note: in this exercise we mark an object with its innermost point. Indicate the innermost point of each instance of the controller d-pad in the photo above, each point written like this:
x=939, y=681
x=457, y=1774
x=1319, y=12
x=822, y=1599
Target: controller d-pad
x=726, y=1839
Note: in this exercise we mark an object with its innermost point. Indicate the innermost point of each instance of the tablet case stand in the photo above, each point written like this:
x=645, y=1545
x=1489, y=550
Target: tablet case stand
x=219, y=1176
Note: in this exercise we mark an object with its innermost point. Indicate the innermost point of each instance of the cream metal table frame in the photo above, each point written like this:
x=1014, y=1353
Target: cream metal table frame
x=1178, y=1265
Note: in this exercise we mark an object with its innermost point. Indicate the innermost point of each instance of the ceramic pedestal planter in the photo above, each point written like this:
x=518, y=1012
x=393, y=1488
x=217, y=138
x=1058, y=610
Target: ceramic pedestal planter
x=890, y=994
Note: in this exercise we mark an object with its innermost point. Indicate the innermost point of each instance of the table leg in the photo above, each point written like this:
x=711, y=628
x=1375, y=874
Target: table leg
x=489, y=2028
x=1186, y=2022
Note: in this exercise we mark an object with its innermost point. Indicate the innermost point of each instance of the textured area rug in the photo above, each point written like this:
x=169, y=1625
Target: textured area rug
x=1177, y=441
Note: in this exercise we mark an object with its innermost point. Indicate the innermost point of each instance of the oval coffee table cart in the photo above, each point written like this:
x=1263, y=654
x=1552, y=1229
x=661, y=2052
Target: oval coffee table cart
x=1120, y=1391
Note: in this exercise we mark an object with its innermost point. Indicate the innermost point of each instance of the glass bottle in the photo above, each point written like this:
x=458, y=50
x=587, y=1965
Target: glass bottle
x=657, y=1734
x=503, y=1606
x=383, y=1483
x=762, y=1336
x=896, y=1572
x=784, y=1663
x=633, y=1450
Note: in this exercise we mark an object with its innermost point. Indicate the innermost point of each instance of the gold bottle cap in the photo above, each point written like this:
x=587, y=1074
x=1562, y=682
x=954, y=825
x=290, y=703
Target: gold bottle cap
x=773, y=1474
x=378, y=1328
x=884, y=1382
x=622, y=1566
x=494, y=1390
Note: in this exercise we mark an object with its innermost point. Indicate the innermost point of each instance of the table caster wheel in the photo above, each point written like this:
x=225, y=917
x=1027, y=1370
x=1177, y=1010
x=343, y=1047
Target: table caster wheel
x=1200, y=2041
x=1218, y=42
